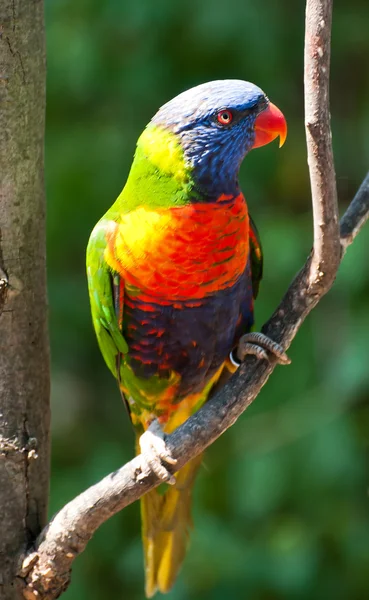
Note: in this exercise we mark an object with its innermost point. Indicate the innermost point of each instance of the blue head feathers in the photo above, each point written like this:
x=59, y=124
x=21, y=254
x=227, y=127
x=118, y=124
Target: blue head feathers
x=215, y=123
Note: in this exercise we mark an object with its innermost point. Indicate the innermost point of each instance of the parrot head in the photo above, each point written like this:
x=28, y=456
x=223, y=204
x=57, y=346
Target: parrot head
x=217, y=124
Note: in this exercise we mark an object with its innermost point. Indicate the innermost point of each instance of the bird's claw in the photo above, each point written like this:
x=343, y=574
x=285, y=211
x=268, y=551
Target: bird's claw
x=259, y=345
x=155, y=452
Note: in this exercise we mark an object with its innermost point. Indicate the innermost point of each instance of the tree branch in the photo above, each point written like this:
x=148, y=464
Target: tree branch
x=356, y=215
x=326, y=253
x=46, y=571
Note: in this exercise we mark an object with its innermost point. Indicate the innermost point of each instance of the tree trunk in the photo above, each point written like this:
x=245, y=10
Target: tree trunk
x=24, y=354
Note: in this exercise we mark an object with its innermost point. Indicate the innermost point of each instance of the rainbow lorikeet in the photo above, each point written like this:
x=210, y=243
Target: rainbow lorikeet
x=173, y=268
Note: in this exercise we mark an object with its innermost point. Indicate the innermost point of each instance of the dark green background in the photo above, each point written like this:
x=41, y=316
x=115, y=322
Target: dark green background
x=281, y=505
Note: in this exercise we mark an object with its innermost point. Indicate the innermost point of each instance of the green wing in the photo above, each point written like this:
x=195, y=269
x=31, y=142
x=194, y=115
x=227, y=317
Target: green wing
x=101, y=290
x=256, y=257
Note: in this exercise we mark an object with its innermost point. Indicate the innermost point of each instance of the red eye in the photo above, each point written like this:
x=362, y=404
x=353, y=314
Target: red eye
x=225, y=117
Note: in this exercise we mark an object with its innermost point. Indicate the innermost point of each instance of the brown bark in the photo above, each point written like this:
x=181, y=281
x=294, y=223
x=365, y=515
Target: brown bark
x=24, y=356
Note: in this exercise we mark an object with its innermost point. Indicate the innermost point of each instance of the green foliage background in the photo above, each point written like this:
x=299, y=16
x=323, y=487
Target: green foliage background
x=281, y=505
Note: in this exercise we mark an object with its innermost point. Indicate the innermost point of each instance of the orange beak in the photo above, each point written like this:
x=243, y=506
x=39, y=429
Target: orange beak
x=269, y=125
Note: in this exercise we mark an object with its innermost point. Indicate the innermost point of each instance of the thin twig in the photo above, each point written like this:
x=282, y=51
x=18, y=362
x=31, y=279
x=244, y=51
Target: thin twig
x=45, y=572
x=356, y=215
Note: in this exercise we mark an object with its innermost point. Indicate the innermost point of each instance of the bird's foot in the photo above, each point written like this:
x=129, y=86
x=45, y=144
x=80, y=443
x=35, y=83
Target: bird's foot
x=259, y=345
x=155, y=452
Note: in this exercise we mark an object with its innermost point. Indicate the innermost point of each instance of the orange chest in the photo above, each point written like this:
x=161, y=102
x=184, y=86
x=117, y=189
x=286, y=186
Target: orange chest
x=182, y=252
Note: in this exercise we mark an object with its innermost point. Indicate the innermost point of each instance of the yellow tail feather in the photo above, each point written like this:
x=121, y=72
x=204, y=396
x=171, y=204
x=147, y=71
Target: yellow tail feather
x=166, y=520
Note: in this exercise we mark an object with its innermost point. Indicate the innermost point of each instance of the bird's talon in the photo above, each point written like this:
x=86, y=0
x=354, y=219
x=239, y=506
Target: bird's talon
x=249, y=348
x=259, y=344
x=154, y=452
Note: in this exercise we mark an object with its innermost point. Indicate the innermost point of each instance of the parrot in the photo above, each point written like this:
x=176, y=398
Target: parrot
x=173, y=270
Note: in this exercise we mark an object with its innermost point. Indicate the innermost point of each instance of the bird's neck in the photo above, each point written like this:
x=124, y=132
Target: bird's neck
x=212, y=179
x=161, y=177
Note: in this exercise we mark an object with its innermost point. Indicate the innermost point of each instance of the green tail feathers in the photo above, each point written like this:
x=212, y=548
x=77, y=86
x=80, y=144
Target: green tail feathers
x=166, y=520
